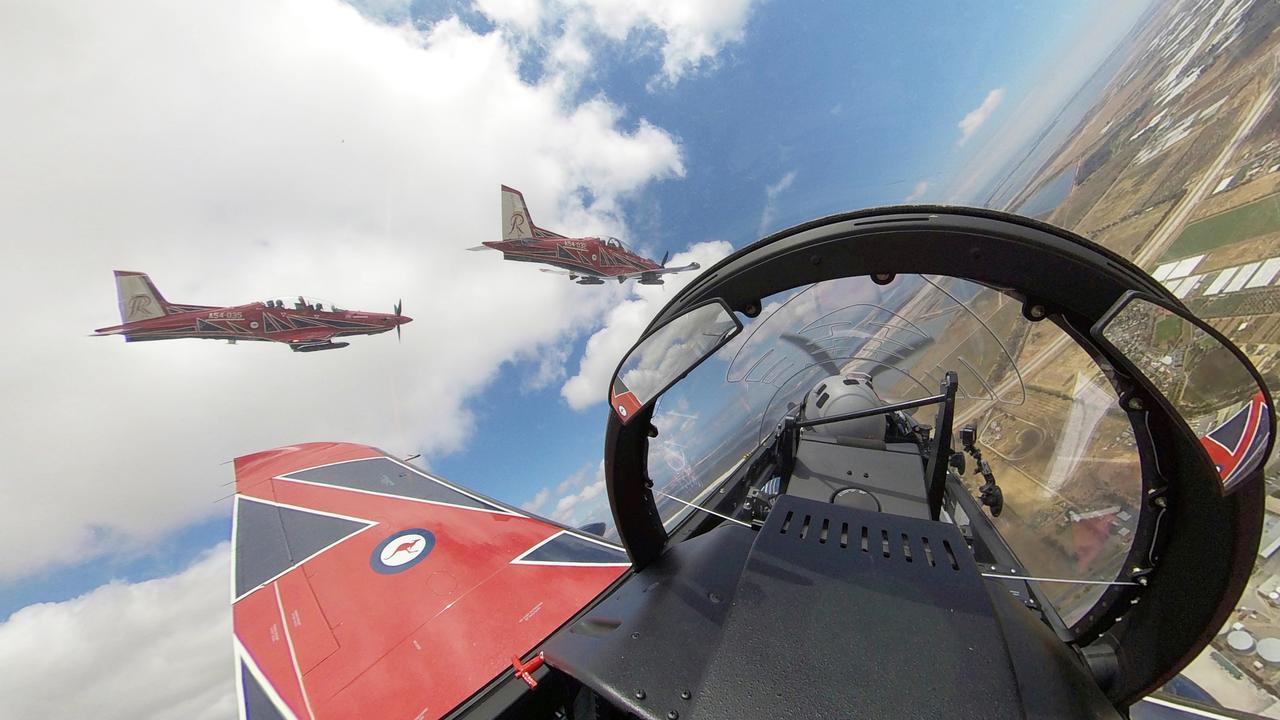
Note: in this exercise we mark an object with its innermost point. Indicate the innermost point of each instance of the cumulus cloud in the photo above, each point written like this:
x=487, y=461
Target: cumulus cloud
x=548, y=368
x=253, y=148
x=577, y=500
x=624, y=323
x=580, y=506
x=539, y=500
x=155, y=649
x=970, y=123
x=771, y=194
x=917, y=192
x=581, y=497
x=689, y=33
x=1030, y=112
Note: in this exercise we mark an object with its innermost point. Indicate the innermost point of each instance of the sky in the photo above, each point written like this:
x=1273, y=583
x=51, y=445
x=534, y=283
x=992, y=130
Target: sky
x=248, y=149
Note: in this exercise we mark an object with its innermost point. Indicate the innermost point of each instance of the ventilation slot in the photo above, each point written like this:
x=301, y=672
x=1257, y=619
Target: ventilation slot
x=950, y=555
x=882, y=540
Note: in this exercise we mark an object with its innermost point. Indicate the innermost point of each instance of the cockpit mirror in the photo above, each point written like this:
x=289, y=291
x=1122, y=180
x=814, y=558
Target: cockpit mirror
x=1203, y=377
x=658, y=361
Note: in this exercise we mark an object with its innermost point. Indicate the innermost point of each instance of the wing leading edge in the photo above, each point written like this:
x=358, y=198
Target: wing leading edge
x=656, y=272
x=365, y=587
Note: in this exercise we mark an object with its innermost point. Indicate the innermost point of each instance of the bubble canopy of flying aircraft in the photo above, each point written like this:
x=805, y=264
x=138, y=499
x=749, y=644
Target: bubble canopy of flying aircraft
x=301, y=302
x=1128, y=435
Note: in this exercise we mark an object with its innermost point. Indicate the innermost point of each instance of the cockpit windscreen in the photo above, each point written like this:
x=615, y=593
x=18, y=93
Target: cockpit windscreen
x=1048, y=420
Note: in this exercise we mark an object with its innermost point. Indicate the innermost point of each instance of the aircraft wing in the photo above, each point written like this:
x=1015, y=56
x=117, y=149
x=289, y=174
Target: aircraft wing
x=657, y=271
x=365, y=587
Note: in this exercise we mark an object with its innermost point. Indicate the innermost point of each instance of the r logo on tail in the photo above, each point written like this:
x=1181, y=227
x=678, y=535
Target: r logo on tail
x=517, y=228
x=138, y=307
x=516, y=222
x=138, y=297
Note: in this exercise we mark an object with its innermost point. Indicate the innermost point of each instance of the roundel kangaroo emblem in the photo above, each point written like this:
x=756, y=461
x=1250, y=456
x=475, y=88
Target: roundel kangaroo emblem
x=402, y=551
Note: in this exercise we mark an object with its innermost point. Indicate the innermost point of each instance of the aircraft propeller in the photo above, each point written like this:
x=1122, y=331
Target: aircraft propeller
x=665, y=255
x=399, y=315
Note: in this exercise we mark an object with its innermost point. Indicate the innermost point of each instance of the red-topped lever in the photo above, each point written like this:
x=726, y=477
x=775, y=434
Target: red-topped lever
x=523, y=670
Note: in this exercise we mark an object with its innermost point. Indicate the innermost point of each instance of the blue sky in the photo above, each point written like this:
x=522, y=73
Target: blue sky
x=837, y=106
x=858, y=119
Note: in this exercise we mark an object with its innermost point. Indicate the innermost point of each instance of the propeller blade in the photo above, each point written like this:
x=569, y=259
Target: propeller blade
x=399, y=314
x=665, y=255
x=817, y=352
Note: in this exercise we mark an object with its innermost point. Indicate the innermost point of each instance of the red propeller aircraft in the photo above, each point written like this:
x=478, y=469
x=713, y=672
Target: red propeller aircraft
x=586, y=260
x=305, y=325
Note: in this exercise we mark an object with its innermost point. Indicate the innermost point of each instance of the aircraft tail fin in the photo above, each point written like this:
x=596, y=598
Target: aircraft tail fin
x=516, y=223
x=139, y=299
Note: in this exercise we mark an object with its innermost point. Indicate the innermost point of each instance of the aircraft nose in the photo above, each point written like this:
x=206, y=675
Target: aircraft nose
x=405, y=319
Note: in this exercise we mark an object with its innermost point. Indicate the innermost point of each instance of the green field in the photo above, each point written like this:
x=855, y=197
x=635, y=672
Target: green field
x=1168, y=330
x=1247, y=221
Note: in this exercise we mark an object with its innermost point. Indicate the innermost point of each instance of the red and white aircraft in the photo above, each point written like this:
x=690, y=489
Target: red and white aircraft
x=305, y=325
x=364, y=587
x=586, y=260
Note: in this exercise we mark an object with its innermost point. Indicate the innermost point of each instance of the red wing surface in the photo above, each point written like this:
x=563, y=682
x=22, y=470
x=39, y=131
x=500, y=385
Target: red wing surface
x=1238, y=438
x=366, y=588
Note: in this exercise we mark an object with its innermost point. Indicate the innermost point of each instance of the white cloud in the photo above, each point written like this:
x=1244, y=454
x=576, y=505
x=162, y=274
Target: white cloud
x=565, y=506
x=393, y=11
x=579, y=499
x=576, y=480
x=549, y=367
x=918, y=191
x=771, y=194
x=539, y=500
x=691, y=32
x=582, y=498
x=1055, y=85
x=253, y=148
x=524, y=14
x=625, y=322
x=970, y=123
x=156, y=649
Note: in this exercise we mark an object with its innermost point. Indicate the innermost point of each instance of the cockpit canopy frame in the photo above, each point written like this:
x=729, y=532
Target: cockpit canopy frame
x=1196, y=542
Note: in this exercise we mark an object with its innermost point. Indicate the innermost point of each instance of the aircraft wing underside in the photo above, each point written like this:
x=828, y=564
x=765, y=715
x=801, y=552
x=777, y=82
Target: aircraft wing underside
x=364, y=587
x=656, y=272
